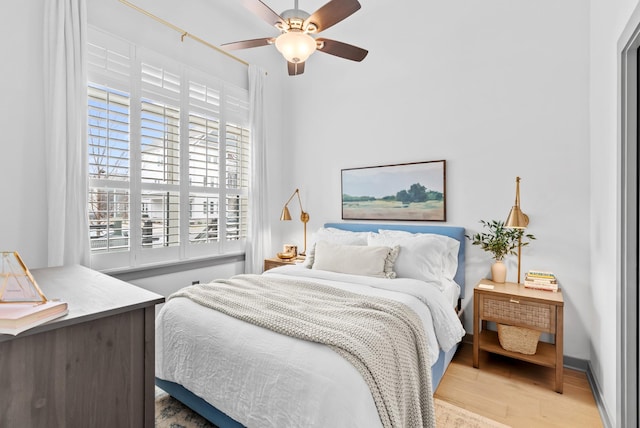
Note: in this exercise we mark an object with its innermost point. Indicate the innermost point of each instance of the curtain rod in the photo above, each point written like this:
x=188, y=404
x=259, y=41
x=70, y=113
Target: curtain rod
x=183, y=33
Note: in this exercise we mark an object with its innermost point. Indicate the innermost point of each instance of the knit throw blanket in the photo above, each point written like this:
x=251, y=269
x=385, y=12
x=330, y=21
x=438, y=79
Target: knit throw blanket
x=383, y=339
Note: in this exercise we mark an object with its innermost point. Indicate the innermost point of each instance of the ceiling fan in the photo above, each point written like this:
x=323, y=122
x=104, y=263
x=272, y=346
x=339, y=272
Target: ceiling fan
x=296, y=42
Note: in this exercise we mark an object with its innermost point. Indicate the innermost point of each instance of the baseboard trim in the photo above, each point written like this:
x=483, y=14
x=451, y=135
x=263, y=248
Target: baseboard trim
x=597, y=395
x=575, y=363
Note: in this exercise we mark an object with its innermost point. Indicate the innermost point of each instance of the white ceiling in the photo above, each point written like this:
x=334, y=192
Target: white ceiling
x=308, y=6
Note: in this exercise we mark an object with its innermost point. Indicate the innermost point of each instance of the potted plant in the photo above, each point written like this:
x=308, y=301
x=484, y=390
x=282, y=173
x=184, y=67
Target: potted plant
x=500, y=241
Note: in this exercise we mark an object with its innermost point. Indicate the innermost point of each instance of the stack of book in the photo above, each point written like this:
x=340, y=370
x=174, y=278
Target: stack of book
x=18, y=317
x=541, y=280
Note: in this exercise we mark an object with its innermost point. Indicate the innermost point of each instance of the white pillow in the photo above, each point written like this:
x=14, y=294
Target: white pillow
x=450, y=261
x=331, y=234
x=355, y=259
x=421, y=256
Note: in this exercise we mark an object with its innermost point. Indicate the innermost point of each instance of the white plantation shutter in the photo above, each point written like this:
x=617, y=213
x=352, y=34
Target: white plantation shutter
x=204, y=135
x=238, y=163
x=169, y=159
x=108, y=133
x=204, y=162
x=113, y=63
x=237, y=180
x=204, y=151
x=160, y=143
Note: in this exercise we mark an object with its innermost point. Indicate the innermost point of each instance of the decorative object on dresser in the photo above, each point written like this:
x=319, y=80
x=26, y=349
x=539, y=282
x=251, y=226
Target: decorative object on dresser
x=517, y=220
x=17, y=284
x=500, y=241
x=526, y=313
x=410, y=191
x=541, y=280
x=23, y=305
x=304, y=218
x=18, y=317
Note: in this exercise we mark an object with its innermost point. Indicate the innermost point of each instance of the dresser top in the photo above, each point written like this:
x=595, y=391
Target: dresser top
x=89, y=294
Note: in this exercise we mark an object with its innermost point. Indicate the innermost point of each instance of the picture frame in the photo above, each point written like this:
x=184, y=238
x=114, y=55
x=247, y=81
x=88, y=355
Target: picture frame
x=405, y=192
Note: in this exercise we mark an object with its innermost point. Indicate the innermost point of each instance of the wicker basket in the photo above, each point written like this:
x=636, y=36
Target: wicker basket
x=518, y=339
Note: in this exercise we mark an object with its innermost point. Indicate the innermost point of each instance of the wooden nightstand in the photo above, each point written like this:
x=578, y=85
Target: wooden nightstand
x=513, y=304
x=275, y=262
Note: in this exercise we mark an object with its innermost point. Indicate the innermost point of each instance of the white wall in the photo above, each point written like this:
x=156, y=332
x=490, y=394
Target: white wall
x=608, y=18
x=498, y=88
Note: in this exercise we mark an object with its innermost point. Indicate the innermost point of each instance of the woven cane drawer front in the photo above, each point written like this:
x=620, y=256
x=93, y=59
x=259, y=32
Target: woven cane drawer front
x=518, y=312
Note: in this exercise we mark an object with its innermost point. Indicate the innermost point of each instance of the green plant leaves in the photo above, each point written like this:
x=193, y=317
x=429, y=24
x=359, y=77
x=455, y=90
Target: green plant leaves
x=500, y=240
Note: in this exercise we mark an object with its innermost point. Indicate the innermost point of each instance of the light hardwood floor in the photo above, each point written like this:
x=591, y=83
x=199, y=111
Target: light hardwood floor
x=517, y=393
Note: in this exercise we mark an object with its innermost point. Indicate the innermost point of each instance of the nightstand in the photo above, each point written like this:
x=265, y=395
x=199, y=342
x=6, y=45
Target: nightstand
x=275, y=262
x=515, y=305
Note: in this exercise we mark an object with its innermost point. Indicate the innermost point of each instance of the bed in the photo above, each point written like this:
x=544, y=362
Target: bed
x=236, y=374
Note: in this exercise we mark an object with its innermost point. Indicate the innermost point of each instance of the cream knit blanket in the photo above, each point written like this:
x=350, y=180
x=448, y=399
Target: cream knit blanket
x=383, y=339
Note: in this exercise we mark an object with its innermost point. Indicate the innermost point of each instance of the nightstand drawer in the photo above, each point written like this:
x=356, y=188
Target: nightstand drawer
x=519, y=312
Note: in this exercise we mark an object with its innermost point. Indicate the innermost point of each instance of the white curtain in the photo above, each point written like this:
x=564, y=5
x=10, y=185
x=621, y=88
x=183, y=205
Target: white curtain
x=259, y=239
x=65, y=106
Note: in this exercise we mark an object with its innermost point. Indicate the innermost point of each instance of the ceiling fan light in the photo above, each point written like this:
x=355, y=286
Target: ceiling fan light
x=295, y=46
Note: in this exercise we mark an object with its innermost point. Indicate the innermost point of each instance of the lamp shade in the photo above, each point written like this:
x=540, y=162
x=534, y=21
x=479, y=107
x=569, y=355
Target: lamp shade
x=286, y=215
x=516, y=219
x=295, y=46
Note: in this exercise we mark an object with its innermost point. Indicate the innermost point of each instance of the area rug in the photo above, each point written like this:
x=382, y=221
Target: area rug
x=170, y=413
x=450, y=416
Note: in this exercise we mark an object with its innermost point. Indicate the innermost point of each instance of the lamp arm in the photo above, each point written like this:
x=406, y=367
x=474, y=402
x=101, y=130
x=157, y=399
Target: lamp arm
x=291, y=197
x=304, y=218
x=299, y=201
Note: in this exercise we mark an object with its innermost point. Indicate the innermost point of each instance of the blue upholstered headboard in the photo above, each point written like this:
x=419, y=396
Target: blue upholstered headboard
x=451, y=231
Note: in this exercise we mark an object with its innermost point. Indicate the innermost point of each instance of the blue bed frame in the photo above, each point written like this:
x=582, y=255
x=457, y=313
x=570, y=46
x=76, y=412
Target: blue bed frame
x=221, y=420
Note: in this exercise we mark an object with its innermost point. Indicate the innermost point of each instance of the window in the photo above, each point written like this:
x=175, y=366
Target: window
x=168, y=159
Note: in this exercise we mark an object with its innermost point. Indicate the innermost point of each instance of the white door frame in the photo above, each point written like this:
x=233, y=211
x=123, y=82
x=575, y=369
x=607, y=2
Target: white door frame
x=627, y=303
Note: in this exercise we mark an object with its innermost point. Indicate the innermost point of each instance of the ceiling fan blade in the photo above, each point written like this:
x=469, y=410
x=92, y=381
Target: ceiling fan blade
x=263, y=11
x=295, y=68
x=332, y=13
x=343, y=50
x=245, y=44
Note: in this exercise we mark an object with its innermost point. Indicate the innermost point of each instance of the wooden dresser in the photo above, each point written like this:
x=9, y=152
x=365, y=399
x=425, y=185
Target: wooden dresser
x=93, y=367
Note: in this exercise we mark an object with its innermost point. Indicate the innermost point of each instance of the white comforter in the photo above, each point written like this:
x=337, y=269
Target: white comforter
x=265, y=379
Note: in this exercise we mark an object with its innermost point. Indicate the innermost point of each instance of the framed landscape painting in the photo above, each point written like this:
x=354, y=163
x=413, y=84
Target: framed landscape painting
x=409, y=191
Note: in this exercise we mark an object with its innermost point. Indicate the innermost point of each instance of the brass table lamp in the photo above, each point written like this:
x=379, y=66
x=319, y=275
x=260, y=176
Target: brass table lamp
x=517, y=220
x=304, y=217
